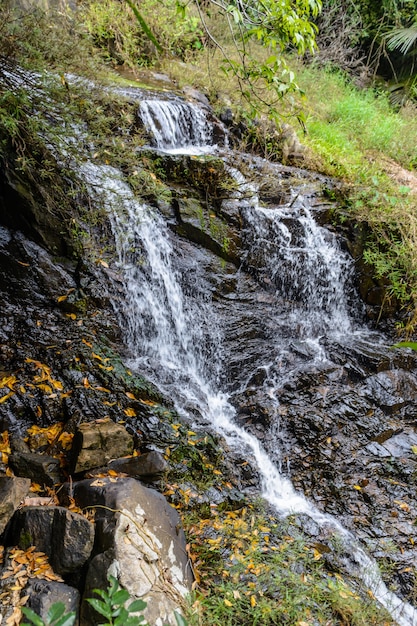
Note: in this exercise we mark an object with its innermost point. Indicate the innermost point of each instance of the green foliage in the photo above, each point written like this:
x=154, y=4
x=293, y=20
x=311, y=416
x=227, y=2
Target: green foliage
x=254, y=569
x=112, y=606
x=135, y=39
x=56, y=616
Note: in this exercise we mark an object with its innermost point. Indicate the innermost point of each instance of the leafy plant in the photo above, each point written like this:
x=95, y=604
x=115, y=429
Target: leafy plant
x=112, y=606
x=56, y=616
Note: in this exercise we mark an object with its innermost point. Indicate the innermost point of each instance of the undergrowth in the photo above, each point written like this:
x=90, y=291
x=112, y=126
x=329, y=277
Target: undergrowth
x=254, y=569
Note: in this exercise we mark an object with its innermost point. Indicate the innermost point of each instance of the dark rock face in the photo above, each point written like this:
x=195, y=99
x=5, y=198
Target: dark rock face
x=67, y=538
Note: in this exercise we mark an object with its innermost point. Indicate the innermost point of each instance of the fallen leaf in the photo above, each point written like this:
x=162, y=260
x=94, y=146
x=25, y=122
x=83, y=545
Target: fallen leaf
x=6, y=397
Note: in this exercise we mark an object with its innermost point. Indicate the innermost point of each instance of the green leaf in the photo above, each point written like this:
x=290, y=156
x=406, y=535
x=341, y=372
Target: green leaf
x=137, y=605
x=121, y=617
x=406, y=344
x=114, y=585
x=66, y=620
x=100, y=607
x=180, y=619
x=120, y=597
x=55, y=611
x=31, y=615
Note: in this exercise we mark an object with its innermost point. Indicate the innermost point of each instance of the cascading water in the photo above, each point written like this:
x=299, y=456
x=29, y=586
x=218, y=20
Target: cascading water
x=176, y=124
x=174, y=337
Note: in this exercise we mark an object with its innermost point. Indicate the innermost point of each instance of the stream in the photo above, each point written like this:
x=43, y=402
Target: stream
x=178, y=334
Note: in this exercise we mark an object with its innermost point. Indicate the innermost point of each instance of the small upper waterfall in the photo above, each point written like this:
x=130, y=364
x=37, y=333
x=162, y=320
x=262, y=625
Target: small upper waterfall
x=176, y=124
x=174, y=336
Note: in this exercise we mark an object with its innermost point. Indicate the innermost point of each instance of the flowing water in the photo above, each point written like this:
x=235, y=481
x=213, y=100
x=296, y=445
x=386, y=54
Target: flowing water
x=174, y=334
x=175, y=125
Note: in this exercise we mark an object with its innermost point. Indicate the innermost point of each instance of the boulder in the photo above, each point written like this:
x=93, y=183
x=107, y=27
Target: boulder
x=44, y=593
x=40, y=468
x=96, y=443
x=147, y=467
x=12, y=492
x=65, y=537
x=139, y=541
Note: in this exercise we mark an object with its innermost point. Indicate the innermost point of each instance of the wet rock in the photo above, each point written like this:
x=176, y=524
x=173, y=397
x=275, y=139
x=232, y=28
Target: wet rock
x=66, y=537
x=40, y=468
x=96, y=443
x=148, y=467
x=12, y=492
x=194, y=94
x=43, y=594
x=140, y=541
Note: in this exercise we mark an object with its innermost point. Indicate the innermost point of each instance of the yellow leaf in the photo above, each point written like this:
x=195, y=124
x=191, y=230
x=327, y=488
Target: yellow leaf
x=38, y=411
x=357, y=487
x=130, y=395
x=317, y=554
x=129, y=412
x=57, y=384
x=236, y=595
x=8, y=381
x=227, y=602
x=87, y=343
x=66, y=440
x=45, y=388
x=253, y=601
x=102, y=389
x=62, y=298
x=149, y=402
x=72, y=316
x=101, y=262
x=6, y=397
x=86, y=383
x=107, y=368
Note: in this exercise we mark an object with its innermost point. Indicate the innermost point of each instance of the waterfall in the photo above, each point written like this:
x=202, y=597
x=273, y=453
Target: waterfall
x=175, y=125
x=174, y=337
x=305, y=264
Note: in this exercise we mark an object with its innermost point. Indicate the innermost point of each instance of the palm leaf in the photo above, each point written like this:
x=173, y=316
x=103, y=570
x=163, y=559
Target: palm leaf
x=402, y=39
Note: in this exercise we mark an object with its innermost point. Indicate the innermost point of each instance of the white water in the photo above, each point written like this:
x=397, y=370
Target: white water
x=176, y=125
x=175, y=338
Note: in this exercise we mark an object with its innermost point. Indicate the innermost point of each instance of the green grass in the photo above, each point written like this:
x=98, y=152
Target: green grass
x=254, y=569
